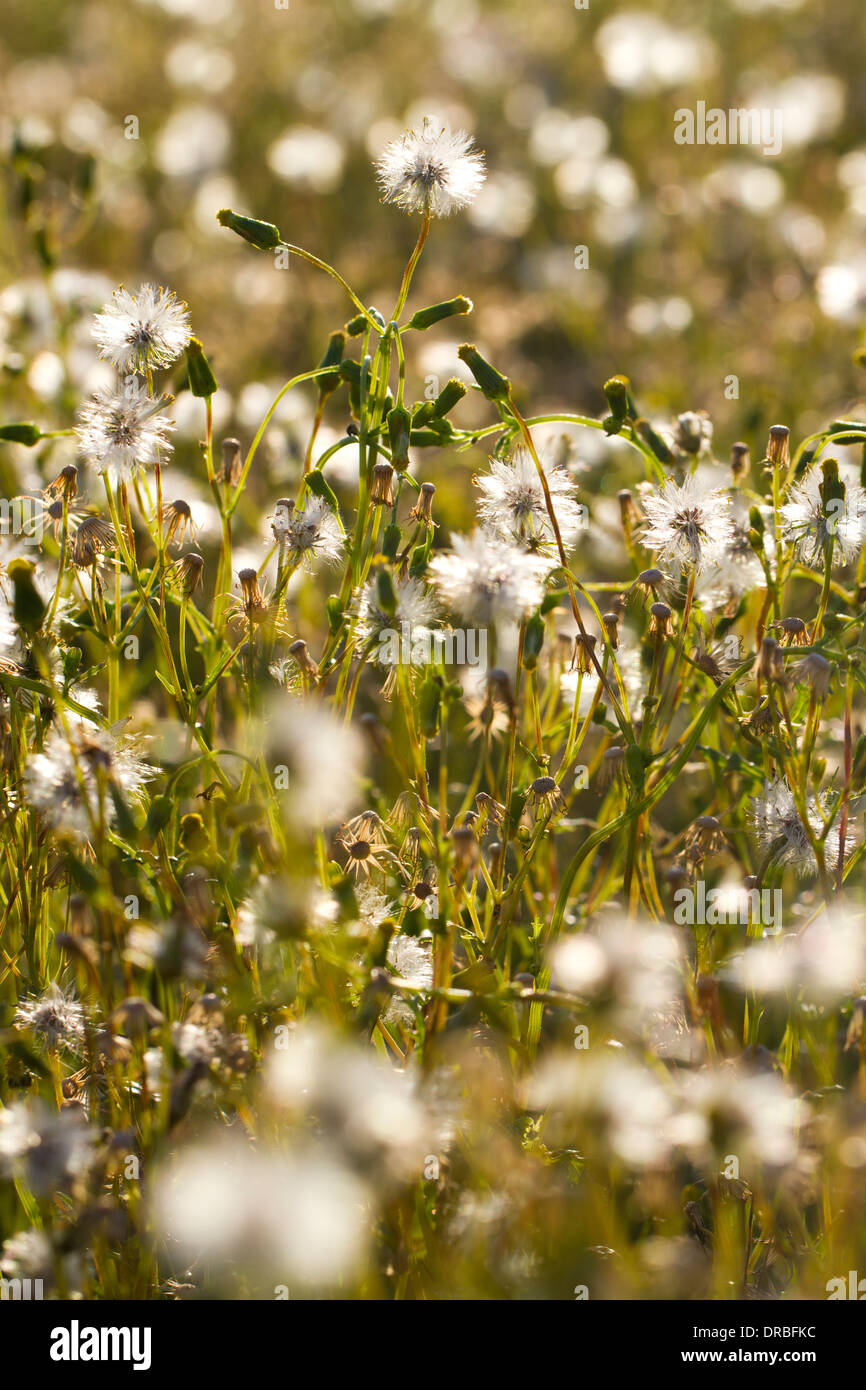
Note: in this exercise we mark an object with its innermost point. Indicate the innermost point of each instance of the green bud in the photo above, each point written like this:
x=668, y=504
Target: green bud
x=334, y=608
x=386, y=595
x=356, y=326
x=425, y=318
x=202, y=381
x=391, y=540
x=71, y=663
x=420, y=556
x=263, y=235
x=533, y=641
x=451, y=394
x=616, y=390
x=28, y=608
x=612, y=424
x=22, y=433
x=332, y=358
x=427, y=439
x=399, y=428
x=635, y=766
x=832, y=488
x=756, y=520
x=158, y=816
x=495, y=386
x=316, y=483
x=429, y=706
x=422, y=412
x=654, y=440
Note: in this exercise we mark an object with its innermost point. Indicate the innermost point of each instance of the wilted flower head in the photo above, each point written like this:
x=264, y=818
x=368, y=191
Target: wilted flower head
x=67, y=781
x=513, y=504
x=404, y=635
x=488, y=580
x=138, y=332
x=44, y=1148
x=431, y=171
x=815, y=671
x=92, y=537
x=604, y=1097
x=301, y=1218
x=370, y=1109
x=824, y=962
x=121, y=429
x=55, y=1017
x=729, y=1110
x=781, y=832
x=811, y=525
x=687, y=526
x=309, y=533
x=316, y=760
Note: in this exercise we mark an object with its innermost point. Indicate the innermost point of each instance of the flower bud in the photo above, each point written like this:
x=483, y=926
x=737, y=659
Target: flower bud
x=495, y=386
x=425, y=318
x=332, y=358
x=263, y=235
x=202, y=382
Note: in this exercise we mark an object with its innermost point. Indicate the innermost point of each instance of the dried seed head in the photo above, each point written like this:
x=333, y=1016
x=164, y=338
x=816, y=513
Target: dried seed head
x=382, y=486
x=231, y=465
x=180, y=522
x=405, y=808
x=815, y=671
x=661, y=620
x=705, y=836
x=627, y=508
x=489, y=809
x=777, y=446
x=499, y=687
x=410, y=850
x=253, y=598
x=423, y=508
x=769, y=665
x=301, y=655
x=584, y=649
x=92, y=537
x=282, y=517
x=612, y=762
x=793, y=630
x=544, y=796
x=611, y=627
x=740, y=460
x=465, y=847
x=188, y=572
x=65, y=484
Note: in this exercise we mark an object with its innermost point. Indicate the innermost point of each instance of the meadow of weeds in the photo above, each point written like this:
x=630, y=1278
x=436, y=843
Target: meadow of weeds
x=399, y=903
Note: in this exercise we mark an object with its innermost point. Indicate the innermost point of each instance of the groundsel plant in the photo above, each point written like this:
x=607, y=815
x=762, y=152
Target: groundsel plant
x=330, y=964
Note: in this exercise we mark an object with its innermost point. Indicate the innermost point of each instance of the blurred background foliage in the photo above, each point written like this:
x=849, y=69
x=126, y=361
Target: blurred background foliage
x=704, y=262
